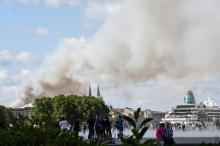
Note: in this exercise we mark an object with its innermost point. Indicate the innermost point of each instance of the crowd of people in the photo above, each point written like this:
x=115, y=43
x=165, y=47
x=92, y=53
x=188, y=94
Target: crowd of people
x=194, y=126
x=101, y=127
x=97, y=127
x=164, y=135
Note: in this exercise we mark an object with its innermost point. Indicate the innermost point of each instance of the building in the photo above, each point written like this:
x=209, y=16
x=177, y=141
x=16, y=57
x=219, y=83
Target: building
x=157, y=117
x=189, y=98
x=114, y=112
x=190, y=112
x=211, y=109
x=23, y=111
x=98, y=95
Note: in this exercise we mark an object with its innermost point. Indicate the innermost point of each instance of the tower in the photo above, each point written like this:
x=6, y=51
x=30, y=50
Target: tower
x=98, y=93
x=90, y=91
x=189, y=98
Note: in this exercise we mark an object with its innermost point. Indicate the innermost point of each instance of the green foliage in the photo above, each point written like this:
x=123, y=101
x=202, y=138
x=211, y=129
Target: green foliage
x=43, y=110
x=6, y=117
x=26, y=135
x=51, y=109
x=64, y=107
x=45, y=113
x=138, y=131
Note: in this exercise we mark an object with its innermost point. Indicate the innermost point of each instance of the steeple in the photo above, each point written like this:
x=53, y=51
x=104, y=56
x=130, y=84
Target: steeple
x=90, y=91
x=98, y=92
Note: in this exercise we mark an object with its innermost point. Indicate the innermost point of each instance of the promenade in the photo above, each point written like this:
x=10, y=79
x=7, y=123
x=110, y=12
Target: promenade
x=185, y=141
x=181, y=137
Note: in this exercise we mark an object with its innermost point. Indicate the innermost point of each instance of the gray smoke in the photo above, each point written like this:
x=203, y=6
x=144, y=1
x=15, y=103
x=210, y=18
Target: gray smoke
x=144, y=40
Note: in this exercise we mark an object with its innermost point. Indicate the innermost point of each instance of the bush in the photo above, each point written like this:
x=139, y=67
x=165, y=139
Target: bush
x=138, y=131
x=26, y=135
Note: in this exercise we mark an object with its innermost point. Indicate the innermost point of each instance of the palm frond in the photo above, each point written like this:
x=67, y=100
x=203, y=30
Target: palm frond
x=149, y=142
x=136, y=114
x=130, y=121
x=142, y=132
x=145, y=122
x=135, y=133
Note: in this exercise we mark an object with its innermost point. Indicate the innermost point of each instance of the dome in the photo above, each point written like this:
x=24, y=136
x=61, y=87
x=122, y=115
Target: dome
x=189, y=98
x=209, y=103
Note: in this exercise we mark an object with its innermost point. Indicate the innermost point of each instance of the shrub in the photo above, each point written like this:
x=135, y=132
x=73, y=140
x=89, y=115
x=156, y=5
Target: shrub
x=138, y=131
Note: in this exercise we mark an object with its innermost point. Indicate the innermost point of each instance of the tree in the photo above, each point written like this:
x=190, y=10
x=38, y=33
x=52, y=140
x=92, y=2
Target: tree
x=42, y=110
x=6, y=117
x=70, y=106
x=92, y=106
x=65, y=106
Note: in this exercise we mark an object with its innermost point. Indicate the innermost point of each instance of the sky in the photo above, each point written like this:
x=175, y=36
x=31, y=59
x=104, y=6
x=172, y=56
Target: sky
x=142, y=53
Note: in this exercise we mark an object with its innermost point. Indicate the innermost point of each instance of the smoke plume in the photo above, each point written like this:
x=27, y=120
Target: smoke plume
x=143, y=40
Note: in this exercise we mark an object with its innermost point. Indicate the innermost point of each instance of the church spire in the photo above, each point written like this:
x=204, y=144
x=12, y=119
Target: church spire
x=90, y=91
x=98, y=92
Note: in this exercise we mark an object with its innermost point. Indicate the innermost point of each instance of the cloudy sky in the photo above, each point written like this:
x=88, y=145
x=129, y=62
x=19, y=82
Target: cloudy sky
x=142, y=53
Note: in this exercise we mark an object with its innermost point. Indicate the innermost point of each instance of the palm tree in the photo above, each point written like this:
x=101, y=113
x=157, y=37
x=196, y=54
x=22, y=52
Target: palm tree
x=138, y=130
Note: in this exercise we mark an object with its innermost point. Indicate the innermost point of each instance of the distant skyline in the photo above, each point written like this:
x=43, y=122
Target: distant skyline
x=142, y=53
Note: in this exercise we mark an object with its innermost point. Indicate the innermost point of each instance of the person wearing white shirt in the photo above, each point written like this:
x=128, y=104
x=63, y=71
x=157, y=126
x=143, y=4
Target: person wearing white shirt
x=63, y=125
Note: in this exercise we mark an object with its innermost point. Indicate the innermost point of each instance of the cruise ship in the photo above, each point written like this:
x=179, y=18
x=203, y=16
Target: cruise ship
x=191, y=113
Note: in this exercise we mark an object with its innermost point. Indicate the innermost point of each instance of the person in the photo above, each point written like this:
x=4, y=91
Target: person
x=160, y=134
x=108, y=127
x=183, y=127
x=63, y=124
x=168, y=133
x=84, y=127
x=98, y=126
x=76, y=127
x=120, y=126
x=91, y=127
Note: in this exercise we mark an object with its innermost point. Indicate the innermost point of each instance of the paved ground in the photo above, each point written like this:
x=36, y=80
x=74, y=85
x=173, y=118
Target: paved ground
x=190, y=140
x=197, y=140
x=181, y=137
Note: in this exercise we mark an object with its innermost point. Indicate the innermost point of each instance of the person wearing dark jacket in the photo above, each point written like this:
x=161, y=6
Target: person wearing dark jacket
x=108, y=127
x=91, y=127
x=76, y=127
x=168, y=133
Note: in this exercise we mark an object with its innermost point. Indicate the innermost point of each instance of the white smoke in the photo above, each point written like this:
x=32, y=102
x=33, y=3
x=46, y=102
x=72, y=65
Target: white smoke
x=144, y=40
